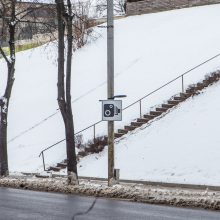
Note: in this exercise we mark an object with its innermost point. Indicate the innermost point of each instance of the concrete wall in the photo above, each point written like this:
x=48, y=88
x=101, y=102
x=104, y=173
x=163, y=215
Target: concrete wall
x=135, y=7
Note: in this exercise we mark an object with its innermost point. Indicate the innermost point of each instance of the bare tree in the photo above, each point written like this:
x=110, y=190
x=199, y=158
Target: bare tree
x=65, y=23
x=72, y=25
x=10, y=18
x=119, y=7
x=9, y=22
x=81, y=23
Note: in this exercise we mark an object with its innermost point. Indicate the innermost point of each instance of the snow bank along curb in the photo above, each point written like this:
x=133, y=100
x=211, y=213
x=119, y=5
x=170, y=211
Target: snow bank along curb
x=134, y=192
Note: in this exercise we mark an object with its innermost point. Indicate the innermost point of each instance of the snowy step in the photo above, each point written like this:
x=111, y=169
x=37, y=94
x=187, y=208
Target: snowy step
x=167, y=106
x=157, y=113
x=62, y=165
x=185, y=95
x=56, y=169
x=162, y=109
x=149, y=117
x=173, y=102
x=178, y=98
x=142, y=120
x=130, y=128
x=123, y=131
x=205, y=82
x=137, y=124
x=217, y=76
x=118, y=135
x=200, y=85
x=211, y=79
x=214, y=77
x=190, y=90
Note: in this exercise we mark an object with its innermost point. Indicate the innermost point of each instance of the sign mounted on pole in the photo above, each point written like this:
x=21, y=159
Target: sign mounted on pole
x=112, y=110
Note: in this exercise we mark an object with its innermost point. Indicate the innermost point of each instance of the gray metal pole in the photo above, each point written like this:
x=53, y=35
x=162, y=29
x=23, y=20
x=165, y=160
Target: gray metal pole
x=110, y=79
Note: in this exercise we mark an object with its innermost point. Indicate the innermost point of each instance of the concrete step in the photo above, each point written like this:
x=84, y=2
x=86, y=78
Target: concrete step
x=137, y=124
x=217, y=74
x=167, y=106
x=162, y=109
x=179, y=98
x=205, y=82
x=211, y=79
x=149, y=117
x=189, y=93
x=157, y=113
x=214, y=77
x=118, y=135
x=122, y=131
x=185, y=95
x=173, y=102
x=130, y=128
x=200, y=86
x=56, y=169
x=62, y=165
x=142, y=120
x=191, y=90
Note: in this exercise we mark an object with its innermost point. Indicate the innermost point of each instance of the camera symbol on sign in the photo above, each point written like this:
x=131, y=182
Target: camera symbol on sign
x=110, y=110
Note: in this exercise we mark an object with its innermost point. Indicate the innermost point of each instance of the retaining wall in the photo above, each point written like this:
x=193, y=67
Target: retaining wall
x=135, y=7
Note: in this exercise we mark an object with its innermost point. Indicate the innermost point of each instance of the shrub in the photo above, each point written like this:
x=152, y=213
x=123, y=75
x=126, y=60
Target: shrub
x=93, y=146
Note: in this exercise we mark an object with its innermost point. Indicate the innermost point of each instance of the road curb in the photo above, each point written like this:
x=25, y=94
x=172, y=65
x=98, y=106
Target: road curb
x=143, y=182
x=151, y=183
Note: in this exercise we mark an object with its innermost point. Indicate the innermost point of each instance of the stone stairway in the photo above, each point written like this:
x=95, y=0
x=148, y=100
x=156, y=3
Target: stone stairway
x=175, y=100
x=148, y=117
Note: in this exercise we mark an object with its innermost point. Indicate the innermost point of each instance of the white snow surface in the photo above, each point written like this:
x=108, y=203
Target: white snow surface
x=150, y=50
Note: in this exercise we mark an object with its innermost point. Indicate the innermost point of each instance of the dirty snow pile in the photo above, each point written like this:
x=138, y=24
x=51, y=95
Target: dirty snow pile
x=150, y=50
x=133, y=192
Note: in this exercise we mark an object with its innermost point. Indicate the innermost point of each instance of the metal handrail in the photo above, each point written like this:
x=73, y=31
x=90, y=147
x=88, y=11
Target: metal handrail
x=138, y=101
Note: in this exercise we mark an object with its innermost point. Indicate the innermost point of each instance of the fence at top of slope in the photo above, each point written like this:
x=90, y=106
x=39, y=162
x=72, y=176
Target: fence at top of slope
x=137, y=102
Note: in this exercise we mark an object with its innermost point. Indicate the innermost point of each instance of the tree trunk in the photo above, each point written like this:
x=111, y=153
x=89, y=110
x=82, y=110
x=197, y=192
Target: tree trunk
x=70, y=148
x=4, y=101
x=3, y=140
x=64, y=91
x=4, y=104
x=70, y=125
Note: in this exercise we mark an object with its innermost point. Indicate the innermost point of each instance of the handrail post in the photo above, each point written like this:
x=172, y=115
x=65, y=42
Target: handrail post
x=94, y=133
x=43, y=161
x=140, y=109
x=182, y=84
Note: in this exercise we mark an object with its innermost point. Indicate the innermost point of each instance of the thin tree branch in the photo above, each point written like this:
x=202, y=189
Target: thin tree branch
x=4, y=55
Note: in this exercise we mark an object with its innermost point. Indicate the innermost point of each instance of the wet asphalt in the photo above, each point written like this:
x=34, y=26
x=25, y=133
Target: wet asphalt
x=21, y=204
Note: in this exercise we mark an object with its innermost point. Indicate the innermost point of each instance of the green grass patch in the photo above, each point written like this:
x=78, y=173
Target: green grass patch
x=24, y=47
x=19, y=48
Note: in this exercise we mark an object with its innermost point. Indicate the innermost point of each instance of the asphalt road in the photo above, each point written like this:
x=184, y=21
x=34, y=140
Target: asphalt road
x=20, y=204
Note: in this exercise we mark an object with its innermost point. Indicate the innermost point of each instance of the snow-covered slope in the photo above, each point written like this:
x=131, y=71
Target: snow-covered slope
x=149, y=51
x=182, y=147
